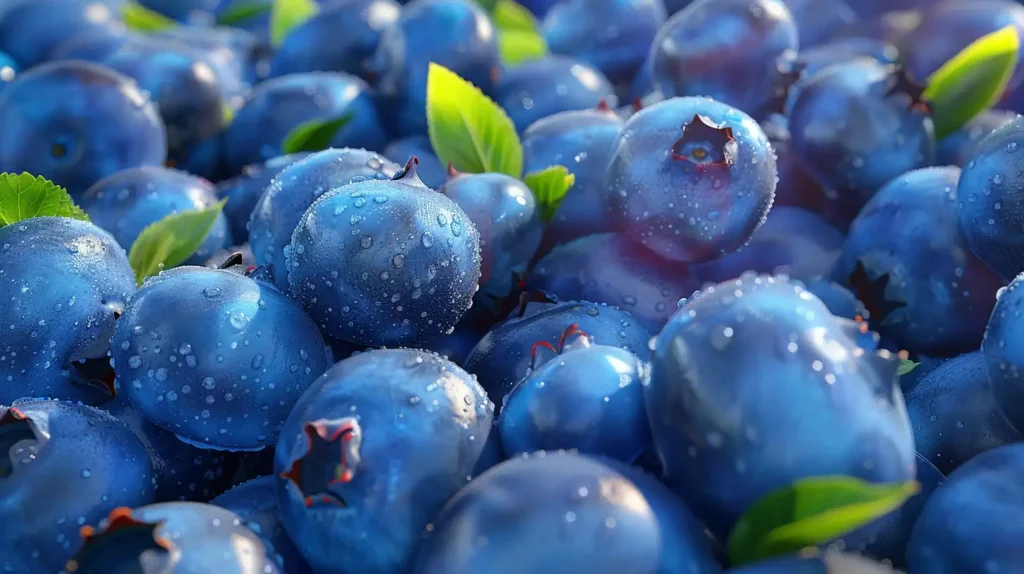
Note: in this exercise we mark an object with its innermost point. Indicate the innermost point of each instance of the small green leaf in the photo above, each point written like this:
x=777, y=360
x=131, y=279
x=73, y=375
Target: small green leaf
x=467, y=129
x=517, y=46
x=138, y=18
x=549, y=187
x=810, y=512
x=972, y=81
x=906, y=366
x=243, y=11
x=24, y=195
x=314, y=135
x=509, y=15
x=227, y=114
x=285, y=15
x=171, y=241
x=487, y=5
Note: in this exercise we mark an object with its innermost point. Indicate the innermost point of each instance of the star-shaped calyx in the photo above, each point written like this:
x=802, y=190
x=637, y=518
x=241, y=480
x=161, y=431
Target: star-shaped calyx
x=705, y=144
x=331, y=459
x=119, y=545
x=569, y=335
x=871, y=292
x=19, y=438
x=901, y=83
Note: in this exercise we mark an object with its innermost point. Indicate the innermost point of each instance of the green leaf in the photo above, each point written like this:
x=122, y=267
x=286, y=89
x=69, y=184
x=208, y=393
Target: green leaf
x=487, y=5
x=227, y=114
x=972, y=81
x=810, y=512
x=517, y=46
x=906, y=366
x=509, y=15
x=314, y=135
x=171, y=241
x=24, y=195
x=549, y=187
x=285, y=15
x=243, y=11
x=467, y=129
x=138, y=18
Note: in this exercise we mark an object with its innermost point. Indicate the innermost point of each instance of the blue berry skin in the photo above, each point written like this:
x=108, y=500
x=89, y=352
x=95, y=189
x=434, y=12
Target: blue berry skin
x=586, y=397
x=839, y=51
x=238, y=53
x=845, y=124
x=255, y=502
x=831, y=562
x=795, y=187
x=504, y=355
x=691, y=179
x=948, y=27
x=607, y=268
x=173, y=537
x=385, y=262
x=92, y=46
x=541, y=88
x=506, y=216
x=792, y=242
x=316, y=46
x=837, y=412
x=29, y=31
x=599, y=518
x=840, y=301
x=816, y=20
x=244, y=191
x=583, y=141
x=954, y=413
x=224, y=369
x=387, y=480
x=128, y=201
x=183, y=10
x=991, y=199
x=295, y=188
x=985, y=497
x=958, y=147
x=75, y=123
x=1003, y=357
x=723, y=49
x=8, y=70
x=908, y=261
x=277, y=106
x=68, y=465
x=614, y=36
x=456, y=34
x=430, y=169
x=64, y=282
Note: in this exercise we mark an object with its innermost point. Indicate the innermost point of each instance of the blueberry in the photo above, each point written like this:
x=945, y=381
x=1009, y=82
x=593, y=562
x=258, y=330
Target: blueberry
x=600, y=520
x=255, y=502
x=540, y=88
x=276, y=107
x=908, y=261
x=63, y=466
x=504, y=355
x=507, y=218
x=954, y=413
x=691, y=178
x=456, y=34
x=244, y=191
x=830, y=562
x=614, y=36
x=64, y=281
x=75, y=123
x=717, y=418
x=93, y=45
x=295, y=188
x=128, y=201
x=817, y=20
x=430, y=169
x=173, y=537
x=29, y=31
x=183, y=10
x=958, y=147
x=584, y=396
x=384, y=262
x=8, y=70
x=225, y=367
x=237, y=51
x=340, y=446
x=1002, y=354
x=990, y=201
x=795, y=187
x=608, y=268
x=839, y=51
x=973, y=522
x=723, y=49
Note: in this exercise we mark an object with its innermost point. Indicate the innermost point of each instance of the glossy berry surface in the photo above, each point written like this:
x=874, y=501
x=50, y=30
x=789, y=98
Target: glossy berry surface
x=406, y=248
x=691, y=179
x=346, y=470
x=29, y=31
x=1002, y=358
x=255, y=502
x=244, y=191
x=226, y=367
x=540, y=88
x=958, y=147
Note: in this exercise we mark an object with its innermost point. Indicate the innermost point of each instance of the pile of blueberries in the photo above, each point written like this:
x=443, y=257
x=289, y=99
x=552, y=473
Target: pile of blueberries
x=770, y=267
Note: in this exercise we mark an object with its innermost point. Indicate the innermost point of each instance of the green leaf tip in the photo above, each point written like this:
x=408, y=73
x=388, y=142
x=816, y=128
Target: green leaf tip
x=467, y=129
x=549, y=187
x=171, y=241
x=314, y=135
x=23, y=196
x=519, y=37
x=972, y=81
x=510, y=15
x=810, y=512
x=906, y=366
x=242, y=12
x=286, y=15
x=138, y=18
